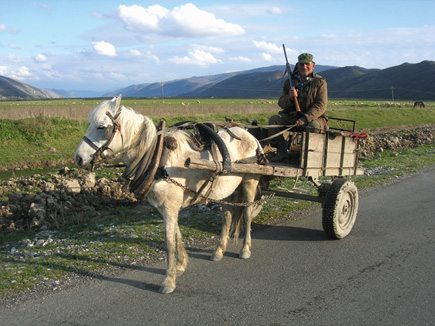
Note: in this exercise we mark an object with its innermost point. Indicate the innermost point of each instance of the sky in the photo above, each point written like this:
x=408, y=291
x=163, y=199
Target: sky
x=103, y=45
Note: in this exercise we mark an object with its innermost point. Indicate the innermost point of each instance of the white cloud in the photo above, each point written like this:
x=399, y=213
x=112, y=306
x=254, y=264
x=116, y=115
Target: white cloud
x=186, y=20
x=266, y=57
x=211, y=49
x=196, y=57
x=241, y=59
x=269, y=47
x=4, y=28
x=13, y=46
x=20, y=73
x=135, y=53
x=274, y=11
x=140, y=19
x=12, y=57
x=3, y=70
x=40, y=58
x=104, y=48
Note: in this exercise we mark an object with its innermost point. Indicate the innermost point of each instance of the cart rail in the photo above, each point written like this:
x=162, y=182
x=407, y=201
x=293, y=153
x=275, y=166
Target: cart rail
x=330, y=154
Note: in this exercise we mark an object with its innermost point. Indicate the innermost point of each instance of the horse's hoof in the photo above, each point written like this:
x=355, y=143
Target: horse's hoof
x=215, y=257
x=166, y=289
x=180, y=271
x=245, y=254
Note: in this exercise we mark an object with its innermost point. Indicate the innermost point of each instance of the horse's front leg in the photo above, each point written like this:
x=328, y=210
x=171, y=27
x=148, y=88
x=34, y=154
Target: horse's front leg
x=181, y=253
x=245, y=253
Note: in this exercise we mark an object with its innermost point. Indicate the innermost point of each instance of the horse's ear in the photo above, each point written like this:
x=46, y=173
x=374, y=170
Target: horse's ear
x=118, y=102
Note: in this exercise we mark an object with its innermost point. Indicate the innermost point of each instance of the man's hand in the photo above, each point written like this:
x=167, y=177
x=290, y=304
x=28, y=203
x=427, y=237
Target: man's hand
x=293, y=93
x=302, y=121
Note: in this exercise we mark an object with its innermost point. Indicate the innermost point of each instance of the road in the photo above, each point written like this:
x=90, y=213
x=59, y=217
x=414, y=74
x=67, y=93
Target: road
x=383, y=273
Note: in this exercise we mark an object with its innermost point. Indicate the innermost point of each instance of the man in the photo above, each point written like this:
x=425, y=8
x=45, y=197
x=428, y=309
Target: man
x=310, y=90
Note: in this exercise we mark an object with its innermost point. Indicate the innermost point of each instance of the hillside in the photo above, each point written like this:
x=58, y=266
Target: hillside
x=14, y=89
x=403, y=82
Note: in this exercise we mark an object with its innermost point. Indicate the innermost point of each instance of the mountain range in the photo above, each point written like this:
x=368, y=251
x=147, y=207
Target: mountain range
x=403, y=82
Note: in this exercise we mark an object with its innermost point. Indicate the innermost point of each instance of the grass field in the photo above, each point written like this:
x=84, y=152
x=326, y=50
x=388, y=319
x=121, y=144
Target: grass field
x=47, y=132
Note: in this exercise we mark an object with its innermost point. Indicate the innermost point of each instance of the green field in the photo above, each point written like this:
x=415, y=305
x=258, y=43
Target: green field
x=46, y=132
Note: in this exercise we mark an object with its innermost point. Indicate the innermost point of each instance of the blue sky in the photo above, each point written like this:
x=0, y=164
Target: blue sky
x=103, y=45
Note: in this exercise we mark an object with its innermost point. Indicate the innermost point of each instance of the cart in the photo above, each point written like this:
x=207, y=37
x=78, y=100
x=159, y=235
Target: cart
x=334, y=154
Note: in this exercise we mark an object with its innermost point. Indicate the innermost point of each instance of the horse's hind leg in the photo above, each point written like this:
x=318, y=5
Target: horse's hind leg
x=171, y=227
x=249, y=187
x=225, y=235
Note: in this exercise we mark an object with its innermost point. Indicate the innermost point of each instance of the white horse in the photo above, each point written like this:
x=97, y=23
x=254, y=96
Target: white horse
x=119, y=131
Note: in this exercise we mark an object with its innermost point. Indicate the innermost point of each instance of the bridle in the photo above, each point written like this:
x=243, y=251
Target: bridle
x=109, y=134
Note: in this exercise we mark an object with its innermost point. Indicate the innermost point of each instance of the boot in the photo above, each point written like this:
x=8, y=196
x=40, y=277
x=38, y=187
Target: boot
x=282, y=152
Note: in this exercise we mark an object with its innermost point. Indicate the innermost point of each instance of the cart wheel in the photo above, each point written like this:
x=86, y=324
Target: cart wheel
x=340, y=208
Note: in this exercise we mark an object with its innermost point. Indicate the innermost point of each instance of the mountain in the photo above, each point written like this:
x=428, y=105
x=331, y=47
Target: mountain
x=405, y=82
x=215, y=85
x=14, y=89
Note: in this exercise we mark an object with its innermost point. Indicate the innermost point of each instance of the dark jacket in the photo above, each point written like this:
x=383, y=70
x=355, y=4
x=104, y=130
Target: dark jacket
x=313, y=98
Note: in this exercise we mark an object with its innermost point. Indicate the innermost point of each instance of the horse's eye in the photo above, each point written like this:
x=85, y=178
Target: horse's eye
x=101, y=127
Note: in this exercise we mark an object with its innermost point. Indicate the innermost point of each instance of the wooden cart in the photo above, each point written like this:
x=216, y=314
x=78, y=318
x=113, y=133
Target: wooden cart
x=333, y=154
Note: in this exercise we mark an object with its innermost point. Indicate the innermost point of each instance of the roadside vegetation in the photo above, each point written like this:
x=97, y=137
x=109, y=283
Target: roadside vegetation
x=132, y=235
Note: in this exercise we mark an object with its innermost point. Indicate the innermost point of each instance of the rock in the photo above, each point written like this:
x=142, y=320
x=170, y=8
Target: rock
x=48, y=186
x=37, y=214
x=71, y=186
x=89, y=180
x=64, y=170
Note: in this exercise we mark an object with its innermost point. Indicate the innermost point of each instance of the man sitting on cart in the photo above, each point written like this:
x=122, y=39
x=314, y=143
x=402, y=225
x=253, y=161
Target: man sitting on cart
x=310, y=91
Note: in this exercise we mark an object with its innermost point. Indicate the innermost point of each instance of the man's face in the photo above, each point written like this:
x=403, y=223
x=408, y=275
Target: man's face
x=305, y=69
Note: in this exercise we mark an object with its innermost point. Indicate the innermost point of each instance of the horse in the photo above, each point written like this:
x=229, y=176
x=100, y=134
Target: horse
x=118, y=132
x=418, y=104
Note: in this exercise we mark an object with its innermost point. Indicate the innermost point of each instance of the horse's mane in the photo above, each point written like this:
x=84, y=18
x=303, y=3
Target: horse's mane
x=99, y=113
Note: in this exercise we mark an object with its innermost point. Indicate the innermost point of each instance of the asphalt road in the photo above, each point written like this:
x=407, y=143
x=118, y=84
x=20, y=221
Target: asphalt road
x=383, y=273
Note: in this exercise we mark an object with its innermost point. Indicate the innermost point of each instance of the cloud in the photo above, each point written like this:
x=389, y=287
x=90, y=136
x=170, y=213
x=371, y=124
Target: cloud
x=13, y=46
x=274, y=11
x=186, y=20
x=40, y=58
x=241, y=59
x=104, y=48
x=196, y=57
x=135, y=53
x=20, y=73
x=266, y=57
x=212, y=49
x=6, y=29
x=269, y=47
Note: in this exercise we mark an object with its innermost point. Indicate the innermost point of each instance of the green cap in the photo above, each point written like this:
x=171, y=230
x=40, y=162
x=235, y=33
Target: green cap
x=305, y=58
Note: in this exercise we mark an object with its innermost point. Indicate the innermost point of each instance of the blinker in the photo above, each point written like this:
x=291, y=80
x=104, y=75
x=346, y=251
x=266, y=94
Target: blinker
x=108, y=132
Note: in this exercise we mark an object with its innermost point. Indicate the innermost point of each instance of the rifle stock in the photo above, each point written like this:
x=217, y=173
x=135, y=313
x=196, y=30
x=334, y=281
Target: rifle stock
x=289, y=71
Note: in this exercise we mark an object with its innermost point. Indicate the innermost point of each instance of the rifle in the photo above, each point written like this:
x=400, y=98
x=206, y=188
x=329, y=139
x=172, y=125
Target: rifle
x=288, y=68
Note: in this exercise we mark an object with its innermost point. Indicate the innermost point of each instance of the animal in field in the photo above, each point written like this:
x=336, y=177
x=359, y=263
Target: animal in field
x=418, y=104
x=116, y=131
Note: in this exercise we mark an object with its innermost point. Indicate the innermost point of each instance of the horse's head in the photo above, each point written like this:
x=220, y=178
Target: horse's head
x=104, y=138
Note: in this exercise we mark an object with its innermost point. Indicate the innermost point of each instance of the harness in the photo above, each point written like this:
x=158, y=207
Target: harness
x=109, y=134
